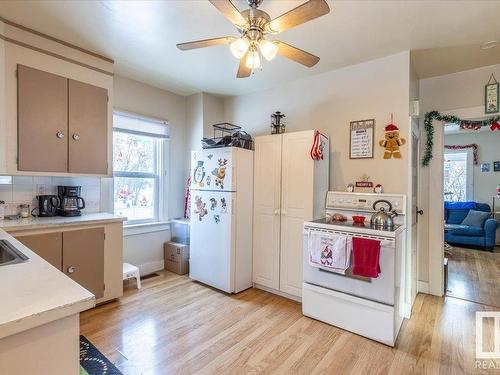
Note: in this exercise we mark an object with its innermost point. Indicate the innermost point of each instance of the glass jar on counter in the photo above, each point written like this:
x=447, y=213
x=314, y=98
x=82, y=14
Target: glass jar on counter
x=2, y=210
x=24, y=210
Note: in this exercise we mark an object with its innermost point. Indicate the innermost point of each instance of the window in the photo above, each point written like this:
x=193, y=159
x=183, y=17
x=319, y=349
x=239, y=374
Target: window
x=139, y=157
x=458, y=176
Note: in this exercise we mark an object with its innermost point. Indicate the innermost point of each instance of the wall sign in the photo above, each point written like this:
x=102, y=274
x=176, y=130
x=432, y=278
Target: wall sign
x=491, y=96
x=361, y=139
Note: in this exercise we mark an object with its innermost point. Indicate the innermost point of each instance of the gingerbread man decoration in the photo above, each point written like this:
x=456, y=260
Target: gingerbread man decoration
x=392, y=141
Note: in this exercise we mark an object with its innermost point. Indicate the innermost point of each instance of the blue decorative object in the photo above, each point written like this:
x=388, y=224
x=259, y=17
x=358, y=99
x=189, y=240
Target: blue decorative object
x=476, y=218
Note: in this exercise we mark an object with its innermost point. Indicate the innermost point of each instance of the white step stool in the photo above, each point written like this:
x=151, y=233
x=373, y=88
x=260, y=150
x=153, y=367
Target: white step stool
x=130, y=271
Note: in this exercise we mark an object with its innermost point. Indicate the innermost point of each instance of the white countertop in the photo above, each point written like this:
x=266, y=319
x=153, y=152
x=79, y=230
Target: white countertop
x=35, y=293
x=57, y=221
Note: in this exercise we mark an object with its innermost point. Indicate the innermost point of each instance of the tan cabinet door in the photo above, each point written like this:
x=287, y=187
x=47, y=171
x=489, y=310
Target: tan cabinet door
x=83, y=258
x=88, y=128
x=42, y=121
x=48, y=246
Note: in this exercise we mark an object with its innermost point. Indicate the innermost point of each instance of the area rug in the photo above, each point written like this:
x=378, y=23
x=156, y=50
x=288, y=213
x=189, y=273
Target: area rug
x=93, y=362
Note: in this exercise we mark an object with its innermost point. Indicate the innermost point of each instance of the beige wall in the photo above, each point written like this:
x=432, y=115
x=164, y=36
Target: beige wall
x=488, y=142
x=328, y=102
x=450, y=92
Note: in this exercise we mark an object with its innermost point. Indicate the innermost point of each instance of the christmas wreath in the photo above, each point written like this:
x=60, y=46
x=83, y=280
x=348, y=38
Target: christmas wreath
x=492, y=122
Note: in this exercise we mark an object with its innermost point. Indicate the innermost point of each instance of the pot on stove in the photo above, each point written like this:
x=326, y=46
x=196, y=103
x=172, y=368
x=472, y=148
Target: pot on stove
x=382, y=218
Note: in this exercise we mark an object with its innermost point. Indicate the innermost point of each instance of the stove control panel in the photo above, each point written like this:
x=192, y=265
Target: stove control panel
x=364, y=201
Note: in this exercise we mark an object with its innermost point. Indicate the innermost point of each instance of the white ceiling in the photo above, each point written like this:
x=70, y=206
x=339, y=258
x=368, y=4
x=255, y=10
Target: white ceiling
x=141, y=36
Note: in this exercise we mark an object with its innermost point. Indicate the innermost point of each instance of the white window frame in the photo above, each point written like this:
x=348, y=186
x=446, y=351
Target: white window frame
x=160, y=177
x=469, y=186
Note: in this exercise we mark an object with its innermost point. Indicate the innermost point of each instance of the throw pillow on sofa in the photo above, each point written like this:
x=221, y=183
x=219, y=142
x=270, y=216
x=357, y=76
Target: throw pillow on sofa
x=476, y=218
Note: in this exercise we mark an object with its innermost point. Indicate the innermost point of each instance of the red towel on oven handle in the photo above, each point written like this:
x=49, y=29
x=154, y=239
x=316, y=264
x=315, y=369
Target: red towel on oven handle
x=365, y=257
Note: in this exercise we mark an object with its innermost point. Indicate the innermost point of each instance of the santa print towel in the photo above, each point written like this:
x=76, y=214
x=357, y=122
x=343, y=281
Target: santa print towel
x=365, y=257
x=329, y=251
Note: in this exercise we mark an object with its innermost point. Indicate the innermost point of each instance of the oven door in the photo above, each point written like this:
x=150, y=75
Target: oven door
x=381, y=289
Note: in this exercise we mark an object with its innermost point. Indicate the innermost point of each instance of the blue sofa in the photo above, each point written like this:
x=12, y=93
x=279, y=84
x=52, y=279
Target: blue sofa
x=458, y=234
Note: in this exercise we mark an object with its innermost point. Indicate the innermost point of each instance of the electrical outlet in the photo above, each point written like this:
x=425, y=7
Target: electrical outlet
x=40, y=189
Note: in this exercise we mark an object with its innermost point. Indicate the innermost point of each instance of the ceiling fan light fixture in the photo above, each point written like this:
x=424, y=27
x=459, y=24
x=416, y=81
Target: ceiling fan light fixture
x=253, y=59
x=239, y=47
x=268, y=49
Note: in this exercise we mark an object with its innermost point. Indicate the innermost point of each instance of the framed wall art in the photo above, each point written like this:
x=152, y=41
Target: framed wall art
x=361, y=139
x=491, y=96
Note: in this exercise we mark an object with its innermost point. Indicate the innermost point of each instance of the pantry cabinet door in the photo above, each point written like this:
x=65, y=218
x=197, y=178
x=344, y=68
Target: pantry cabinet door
x=42, y=121
x=83, y=258
x=296, y=206
x=88, y=128
x=267, y=197
x=48, y=246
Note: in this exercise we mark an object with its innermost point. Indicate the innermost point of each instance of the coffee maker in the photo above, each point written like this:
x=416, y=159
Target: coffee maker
x=70, y=201
x=48, y=205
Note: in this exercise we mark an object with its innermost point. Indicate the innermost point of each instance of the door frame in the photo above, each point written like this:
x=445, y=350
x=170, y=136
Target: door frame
x=436, y=200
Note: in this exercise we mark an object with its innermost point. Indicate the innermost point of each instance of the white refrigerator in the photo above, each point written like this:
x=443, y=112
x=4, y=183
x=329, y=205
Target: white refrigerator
x=221, y=218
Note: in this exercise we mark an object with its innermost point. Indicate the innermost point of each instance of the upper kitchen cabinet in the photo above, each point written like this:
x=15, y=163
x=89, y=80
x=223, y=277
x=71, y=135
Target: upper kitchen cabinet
x=62, y=124
x=88, y=128
x=42, y=121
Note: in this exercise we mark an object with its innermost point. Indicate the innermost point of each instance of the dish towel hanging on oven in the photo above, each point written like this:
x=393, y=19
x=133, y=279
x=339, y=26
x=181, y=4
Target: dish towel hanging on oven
x=365, y=257
x=330, y=251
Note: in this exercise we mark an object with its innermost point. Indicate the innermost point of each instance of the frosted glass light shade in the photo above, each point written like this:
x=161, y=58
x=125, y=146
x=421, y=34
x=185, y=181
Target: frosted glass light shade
x=268, y=49
x=239, y=47
x=253, y=59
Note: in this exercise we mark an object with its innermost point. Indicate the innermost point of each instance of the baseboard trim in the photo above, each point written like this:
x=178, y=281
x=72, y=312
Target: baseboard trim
x=151, y=267
x=277, y=292
x=423, y=287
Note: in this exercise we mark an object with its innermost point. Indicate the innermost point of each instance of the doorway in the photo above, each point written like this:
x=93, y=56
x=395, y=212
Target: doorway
x=471, y=251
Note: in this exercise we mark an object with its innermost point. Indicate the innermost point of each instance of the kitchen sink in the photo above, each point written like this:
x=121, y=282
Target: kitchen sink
x=9, y=254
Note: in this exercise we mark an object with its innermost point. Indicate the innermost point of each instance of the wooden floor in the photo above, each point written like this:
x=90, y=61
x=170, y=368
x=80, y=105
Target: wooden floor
x=177, y=326
x=474, y=275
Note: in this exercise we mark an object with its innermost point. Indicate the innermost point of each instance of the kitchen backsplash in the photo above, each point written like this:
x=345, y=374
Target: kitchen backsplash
x=24, y=189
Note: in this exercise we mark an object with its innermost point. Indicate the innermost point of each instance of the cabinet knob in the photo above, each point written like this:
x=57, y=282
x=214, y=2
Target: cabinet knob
x=277, y=211
x=76, y=136
x=60, y=135
x=71, y=269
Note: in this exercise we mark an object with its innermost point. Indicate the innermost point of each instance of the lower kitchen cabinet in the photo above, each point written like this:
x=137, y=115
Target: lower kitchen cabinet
x=78, y=253
x=83, y=258
x=47, y=245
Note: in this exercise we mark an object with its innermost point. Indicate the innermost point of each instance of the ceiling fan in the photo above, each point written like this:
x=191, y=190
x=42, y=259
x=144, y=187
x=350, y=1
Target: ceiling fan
x=253, y=25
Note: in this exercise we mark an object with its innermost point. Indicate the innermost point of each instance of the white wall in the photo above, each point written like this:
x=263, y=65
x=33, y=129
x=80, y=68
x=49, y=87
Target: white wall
x=328, y=102
x=485, y=183
x=445, y=93
x=146, y=249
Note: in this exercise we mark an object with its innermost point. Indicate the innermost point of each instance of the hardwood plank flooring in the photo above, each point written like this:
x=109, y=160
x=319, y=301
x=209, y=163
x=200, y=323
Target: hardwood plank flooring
x=176, y=326
x=474, y=275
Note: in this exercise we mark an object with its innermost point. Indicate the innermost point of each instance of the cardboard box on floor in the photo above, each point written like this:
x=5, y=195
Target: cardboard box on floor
x=176, y=257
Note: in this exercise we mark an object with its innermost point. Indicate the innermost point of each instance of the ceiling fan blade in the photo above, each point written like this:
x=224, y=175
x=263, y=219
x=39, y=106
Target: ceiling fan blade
x=227, y=8
x=205, y=43
x=243, y=71
x=296, y=54
x=303, y=13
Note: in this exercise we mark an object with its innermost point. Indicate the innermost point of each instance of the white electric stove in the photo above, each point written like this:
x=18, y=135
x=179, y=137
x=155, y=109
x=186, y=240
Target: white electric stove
x=371, y=307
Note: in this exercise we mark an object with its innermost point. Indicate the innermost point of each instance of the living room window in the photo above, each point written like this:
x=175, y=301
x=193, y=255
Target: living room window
x=458, y=176
x=139, y=160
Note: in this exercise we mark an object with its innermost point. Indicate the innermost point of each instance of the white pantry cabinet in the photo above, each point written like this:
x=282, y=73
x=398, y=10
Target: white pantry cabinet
x=289, y=188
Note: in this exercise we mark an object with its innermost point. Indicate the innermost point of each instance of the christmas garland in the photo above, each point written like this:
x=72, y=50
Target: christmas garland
x=429, y=130
x=463, y=147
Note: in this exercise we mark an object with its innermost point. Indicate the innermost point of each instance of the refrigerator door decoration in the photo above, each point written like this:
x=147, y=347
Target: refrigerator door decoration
x=213, y=203
x=200, y=209
x=199, y=174
x=208, y=180
x=223, y=203
x=220, y=173
x=217, y=219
